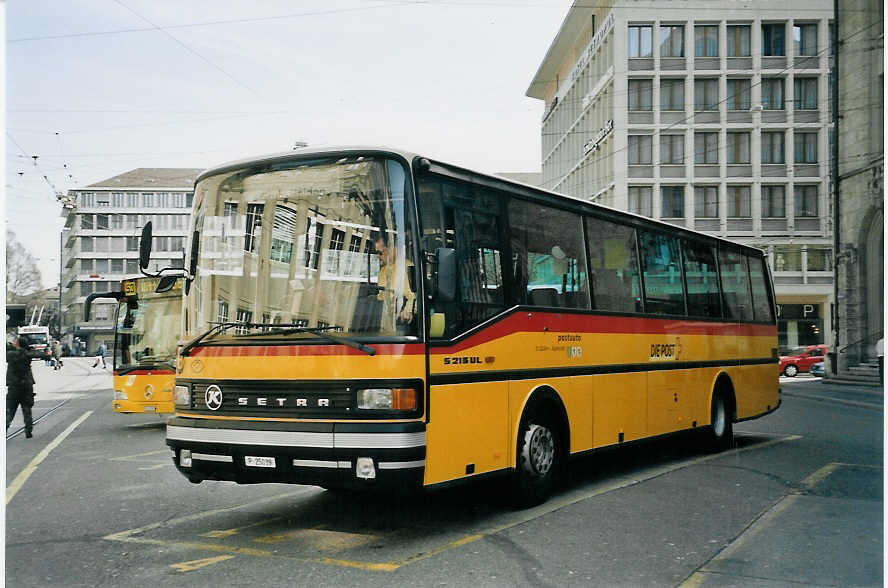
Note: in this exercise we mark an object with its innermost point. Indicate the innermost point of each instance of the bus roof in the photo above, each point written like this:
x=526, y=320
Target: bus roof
x=492, y=180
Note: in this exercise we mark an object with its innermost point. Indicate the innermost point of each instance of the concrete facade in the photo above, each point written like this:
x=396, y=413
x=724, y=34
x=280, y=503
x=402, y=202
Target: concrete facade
x=103, y=222
x=711, y=116
x=860, y=204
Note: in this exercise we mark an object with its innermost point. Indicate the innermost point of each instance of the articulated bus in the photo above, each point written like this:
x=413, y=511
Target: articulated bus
x=145, y=338
x=370, y=318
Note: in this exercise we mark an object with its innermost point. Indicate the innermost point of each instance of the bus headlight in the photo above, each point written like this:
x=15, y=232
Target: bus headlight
x=387, y=399
x=182, y=396
x=120, y=395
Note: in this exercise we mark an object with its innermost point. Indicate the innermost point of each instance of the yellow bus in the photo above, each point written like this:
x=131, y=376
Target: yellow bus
x=370, y=318
x=145, y=338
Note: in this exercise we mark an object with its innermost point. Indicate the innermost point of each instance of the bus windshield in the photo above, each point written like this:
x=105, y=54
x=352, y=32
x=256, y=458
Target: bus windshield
x=31, y=339
x=147, y=331
x=320, y=244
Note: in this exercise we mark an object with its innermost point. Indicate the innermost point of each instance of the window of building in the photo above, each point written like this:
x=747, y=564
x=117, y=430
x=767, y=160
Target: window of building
x=773, y=201
x=738, y=40
x=738, y=147
x=706, y=41
x=117, y=221
x=773, y=147
x=788, y=258
x=117, y=244
x=103, y=199
x=641, y=200
x=132, y=266
x=672, y=149
x=773, y=39
x=132, y=243
x=177, y=243
x=640, y=149
x=672, y=94
x=163, y=200
x=706, y=201
x=161, y=244
x=819, y=259
x=118, y=200
x=87, y=199
x=661, y=267
x=222, y=311
x=354, y=244
x=86, y=288
x=253, y=231
x=229, y=209
x=87, y=244
x=101, y=244
x=101, y=266
x=672, y=202
x=805, y=147
x=640, y=41
x=706, y=94
x=86, y=266
x=612, y=259
x=148, y=200
x=641, y=94
x=805, y=93
x=102, y=221
x=671, y=41
x=132, y=200
x=739, y=202
x=739, y=93
x=705, y=148
x=701, y=275
x=804, y=39
x=805, y=200
x=86, y=221
x=132, y=221
x=177, y=200
x=116, y=266
x=772, y=94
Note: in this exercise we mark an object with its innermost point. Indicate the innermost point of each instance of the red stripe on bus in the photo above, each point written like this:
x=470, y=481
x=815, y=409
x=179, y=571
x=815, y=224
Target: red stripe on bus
x=147, y=373
x=304, y=350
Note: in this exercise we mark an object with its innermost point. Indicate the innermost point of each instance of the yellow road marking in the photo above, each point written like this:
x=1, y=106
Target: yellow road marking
x=223, y=533
x=820, y=475
x=32, y=467
x=196, y=564
x=320, y=539
x=130, y=457
x=696, y=579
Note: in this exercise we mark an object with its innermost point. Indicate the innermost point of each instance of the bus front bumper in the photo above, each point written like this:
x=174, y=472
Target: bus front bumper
x=361, y=455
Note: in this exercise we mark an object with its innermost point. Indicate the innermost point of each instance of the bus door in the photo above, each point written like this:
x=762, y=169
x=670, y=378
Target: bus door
x=468, y=405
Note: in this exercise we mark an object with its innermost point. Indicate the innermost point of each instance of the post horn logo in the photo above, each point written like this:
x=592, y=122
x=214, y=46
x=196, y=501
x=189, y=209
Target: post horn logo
x=213, y=397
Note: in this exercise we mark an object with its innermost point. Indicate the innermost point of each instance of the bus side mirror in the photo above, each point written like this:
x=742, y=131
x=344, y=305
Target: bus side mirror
x=192, y=260
x=145, y=246
x=165, y=284
x=445, y=262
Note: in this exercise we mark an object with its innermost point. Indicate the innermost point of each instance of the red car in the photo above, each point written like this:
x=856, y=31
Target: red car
x=801, y=359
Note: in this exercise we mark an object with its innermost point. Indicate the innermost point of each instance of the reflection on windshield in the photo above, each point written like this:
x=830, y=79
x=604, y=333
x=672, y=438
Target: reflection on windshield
x=322, y=245
x=147, y=332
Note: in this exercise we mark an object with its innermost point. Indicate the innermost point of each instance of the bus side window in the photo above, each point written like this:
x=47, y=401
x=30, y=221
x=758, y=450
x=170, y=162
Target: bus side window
x=702, y=279
x=761, y=301
x=549, y=257
x=737, y=300
x=661, y=267
x=613, y=266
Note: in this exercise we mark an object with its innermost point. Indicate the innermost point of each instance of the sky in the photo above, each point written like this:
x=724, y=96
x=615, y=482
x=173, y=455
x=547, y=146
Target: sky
x=95, y=88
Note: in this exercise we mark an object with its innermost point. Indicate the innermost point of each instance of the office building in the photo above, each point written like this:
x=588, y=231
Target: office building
x=709, y=115
x=103, y=222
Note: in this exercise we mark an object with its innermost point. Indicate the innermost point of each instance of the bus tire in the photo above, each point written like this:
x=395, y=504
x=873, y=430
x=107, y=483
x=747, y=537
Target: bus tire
x=538, y=460
x=721, y=427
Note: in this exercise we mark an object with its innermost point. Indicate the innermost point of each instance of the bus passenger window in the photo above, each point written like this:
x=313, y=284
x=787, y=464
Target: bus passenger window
x=763, y=309
x=735, y=284
x=702, y=279
x=549, y=258
x=612, y=259
x=661, y=264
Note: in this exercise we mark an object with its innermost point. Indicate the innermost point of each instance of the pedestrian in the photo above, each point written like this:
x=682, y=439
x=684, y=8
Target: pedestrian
x=57, y=355
x=19, y=385
x=100, y=355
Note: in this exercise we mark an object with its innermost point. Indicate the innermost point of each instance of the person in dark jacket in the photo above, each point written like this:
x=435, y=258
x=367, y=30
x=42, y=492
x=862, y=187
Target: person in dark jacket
x=19, y=385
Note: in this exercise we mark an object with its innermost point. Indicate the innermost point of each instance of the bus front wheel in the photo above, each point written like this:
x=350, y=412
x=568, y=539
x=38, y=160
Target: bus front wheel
x=538, y=461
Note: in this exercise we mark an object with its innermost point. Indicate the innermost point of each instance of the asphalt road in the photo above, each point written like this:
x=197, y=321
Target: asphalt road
x=93, y=500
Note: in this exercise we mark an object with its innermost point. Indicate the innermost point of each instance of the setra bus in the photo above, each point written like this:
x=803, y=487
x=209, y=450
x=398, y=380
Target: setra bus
x=146, y=334
x=369, y=317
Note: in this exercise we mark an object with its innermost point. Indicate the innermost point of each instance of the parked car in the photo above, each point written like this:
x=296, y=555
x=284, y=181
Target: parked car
x=800, y=359
x=818, y=369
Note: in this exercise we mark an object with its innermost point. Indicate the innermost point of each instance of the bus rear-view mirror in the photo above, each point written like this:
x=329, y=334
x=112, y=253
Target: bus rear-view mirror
x=165, y=284
x=145, y=246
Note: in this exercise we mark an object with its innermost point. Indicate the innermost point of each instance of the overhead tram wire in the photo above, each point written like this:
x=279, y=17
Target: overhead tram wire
x=687, y=118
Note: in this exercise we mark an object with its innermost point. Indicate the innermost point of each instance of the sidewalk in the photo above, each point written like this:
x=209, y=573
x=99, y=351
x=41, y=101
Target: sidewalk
x=74, y=378
x=819, y=389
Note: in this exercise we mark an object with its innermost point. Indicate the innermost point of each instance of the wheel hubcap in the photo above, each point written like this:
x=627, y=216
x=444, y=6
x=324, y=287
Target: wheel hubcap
x=539, y=450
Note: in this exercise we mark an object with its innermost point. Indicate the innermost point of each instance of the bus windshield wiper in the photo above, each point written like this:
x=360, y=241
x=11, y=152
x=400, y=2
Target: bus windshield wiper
x=280, y=328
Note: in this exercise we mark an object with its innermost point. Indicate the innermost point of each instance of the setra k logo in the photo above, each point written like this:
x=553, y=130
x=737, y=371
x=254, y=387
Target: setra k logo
x=213, y=397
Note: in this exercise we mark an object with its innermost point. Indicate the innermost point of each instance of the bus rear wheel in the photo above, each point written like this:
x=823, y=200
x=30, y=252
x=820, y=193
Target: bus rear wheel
x=721, y=424
x=538, y=461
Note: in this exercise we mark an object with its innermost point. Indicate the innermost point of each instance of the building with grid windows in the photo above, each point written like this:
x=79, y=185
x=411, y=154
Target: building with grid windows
x=710, y=115
x=103, y=222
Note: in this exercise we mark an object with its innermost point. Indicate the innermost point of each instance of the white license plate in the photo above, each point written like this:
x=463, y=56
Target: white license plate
x=150, y=408
x=259, y=462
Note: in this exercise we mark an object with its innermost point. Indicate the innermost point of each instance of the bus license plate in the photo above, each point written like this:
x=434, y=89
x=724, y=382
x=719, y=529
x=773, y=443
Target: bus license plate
x=259, y=462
